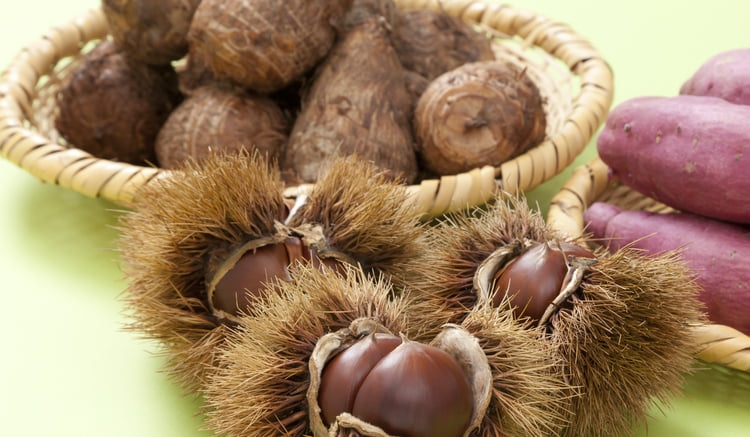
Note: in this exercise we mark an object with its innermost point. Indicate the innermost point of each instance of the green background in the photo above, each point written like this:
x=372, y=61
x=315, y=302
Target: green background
x=66, y=365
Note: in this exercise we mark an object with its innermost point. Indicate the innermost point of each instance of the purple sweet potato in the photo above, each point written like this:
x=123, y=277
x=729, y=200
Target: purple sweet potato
x=716, y=252
x=689, y=152
x=725, y=75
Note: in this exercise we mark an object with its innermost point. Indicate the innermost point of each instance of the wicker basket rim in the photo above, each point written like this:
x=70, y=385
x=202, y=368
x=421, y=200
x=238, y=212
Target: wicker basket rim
x=118, y=182
x=717, y=343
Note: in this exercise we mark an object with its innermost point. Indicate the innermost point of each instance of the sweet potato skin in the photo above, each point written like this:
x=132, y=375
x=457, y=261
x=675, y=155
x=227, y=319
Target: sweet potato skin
x=725, y=75
x=716, y=252
x=689, y=152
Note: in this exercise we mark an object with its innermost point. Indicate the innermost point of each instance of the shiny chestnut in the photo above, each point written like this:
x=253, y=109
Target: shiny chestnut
x=533, y=280
x=406, y=388
x=257, y=267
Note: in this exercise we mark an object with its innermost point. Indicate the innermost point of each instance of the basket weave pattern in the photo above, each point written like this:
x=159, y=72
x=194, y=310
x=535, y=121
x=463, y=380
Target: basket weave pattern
x=571, y=75
x=717, y=343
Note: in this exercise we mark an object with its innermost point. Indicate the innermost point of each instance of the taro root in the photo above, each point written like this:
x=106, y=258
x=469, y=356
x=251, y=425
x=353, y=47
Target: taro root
x=202, y=247
x=481, y=113
x=431, y=42
x=619, y=324
x=113, y=107
x=264, y=45
x=221, y=119
x=358, y=104
x=153, y=32
x=193, y=73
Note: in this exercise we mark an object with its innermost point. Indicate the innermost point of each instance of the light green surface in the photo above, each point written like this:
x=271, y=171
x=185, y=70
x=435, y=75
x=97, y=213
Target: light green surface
x=68, y=369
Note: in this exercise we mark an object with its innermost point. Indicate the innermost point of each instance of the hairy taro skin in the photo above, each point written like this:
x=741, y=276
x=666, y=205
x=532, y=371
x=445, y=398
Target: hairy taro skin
x=715, y=251
x=358, y=104
x=431, y=42
x=113, y=106
x=263, y=45
x=153, y=32
x=689, y=152
x=218, y=119
x=481, y=113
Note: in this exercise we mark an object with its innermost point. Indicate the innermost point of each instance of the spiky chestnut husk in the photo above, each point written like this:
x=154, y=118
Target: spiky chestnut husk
x=530, y=397
x=260, y=385
x=627, y=339
x=177, y=225
x=461, y=242
x=368, y=217
x=187, y=231
x=623, y=337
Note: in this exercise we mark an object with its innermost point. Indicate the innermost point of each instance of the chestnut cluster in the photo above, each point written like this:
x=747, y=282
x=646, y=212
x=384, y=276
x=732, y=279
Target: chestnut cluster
x=323, y=79
x=343, y=314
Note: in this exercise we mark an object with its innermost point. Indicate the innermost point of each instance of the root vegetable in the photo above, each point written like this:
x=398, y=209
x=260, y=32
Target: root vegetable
x=689, y=152
x=725, y=75
x=482, y=113
x=264, y=45
x=154, y=32
x=216, y=119
x=113, y=106
x=358, y=105
x=431, y=42
x=716, y=252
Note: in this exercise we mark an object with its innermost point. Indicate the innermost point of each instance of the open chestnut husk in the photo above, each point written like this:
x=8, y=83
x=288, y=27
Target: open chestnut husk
x=619, y=324
x=261, y=382
x=202, y=246
x=390, y=385
x=536, y=282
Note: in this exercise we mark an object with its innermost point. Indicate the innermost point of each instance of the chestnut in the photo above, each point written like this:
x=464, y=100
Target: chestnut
x=242, y=282
x=533, y=280
x=406, y=388
x=336, y=394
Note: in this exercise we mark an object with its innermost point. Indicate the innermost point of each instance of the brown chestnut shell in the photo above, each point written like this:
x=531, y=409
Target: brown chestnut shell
x=535, y=282
x=455, y=343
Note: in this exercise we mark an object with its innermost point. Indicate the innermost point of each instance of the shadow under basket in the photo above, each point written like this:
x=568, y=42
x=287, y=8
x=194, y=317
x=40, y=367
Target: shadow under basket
x=723, y=352
x=573, y=78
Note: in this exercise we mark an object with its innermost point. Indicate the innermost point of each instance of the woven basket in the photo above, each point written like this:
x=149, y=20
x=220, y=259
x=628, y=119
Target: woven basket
x=571, y=75
x=718, y=344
